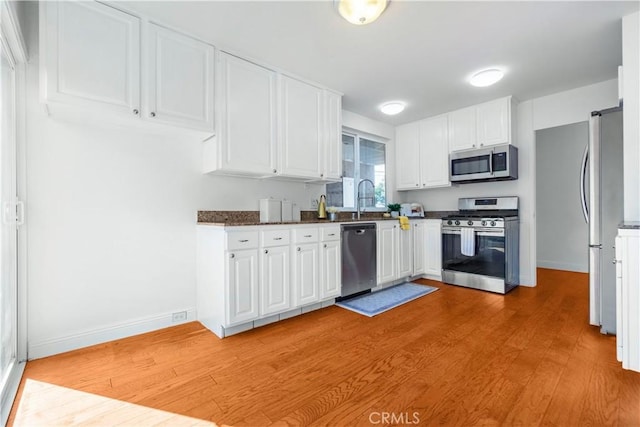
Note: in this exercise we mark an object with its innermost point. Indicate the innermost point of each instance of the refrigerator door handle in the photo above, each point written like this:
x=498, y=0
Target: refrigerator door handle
x=583, y=184
x=596, y=246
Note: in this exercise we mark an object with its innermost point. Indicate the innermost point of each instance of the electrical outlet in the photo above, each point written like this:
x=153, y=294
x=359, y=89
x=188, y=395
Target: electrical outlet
x=314, y=204
x=180, y=316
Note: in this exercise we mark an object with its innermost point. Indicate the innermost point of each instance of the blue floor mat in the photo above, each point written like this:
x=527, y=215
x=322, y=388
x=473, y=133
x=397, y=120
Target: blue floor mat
x=386, y=299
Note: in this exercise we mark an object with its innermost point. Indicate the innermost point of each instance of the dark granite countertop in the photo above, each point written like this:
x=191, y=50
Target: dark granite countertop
x=246, y=218
x=630, y=225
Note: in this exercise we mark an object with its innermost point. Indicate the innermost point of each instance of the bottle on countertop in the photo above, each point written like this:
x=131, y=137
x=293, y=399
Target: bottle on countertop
x=322, y=207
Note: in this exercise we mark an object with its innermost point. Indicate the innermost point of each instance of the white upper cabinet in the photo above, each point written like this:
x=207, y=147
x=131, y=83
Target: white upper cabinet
x=91, y=56
x=462, y=129
x=408, y=156
x=482, y=125
x=422, y=154
x=247, y=129
x=301, y=122
x=434, y=152
x=494, y=122
x=333, y=136
x=179, y=79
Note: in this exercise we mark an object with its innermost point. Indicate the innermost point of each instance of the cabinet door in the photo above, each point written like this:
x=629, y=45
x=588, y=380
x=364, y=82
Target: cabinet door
x=462, y=129
x=419, y=249
x=274, y=284
x=179, y=79
x=494, y=122
x=301, y=147
x=305, y=273
x=407, y=156
x=333, y=136
x=247, y=108
x=404, y=253
x=92, y=56
x=434, y=152
x=387, y=245
x=433, y=245
x=331, y=269
x=242, y=286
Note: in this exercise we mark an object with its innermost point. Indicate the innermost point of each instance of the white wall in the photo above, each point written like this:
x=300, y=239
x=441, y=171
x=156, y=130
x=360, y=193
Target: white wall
x=631, y=115
x=559, y=152
x=554, y=110
x=112, y=220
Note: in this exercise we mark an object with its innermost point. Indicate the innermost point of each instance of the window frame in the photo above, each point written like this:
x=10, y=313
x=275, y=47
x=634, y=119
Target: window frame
x=356, y=143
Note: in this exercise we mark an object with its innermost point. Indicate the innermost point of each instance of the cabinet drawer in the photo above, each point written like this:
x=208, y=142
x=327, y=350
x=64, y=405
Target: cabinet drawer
x=330, y=233
x=274, y=238
x=305, y=235
x=242, y=240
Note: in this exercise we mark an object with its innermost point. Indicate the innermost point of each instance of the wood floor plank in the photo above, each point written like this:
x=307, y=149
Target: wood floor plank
x=455, y=357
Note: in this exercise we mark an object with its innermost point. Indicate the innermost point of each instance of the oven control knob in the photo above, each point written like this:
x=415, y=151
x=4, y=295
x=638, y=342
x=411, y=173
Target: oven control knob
x=449, y=222
x=457, y=222
x=493, y=223
x=469, y=222
x=484, y=223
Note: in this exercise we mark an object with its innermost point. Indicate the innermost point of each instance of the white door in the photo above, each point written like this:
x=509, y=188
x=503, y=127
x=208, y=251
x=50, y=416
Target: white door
x=92, y=55
x=386, y=251
x=247, y=108
x=405, y=253
x=301, y=122
x=331, y=269
x=242, y=283
x=408, y=156
x=494, y=122
x=333, y=136
x=12, y=350
x=274, y=283
x=179, y=76
x=462, y=129
x=306, y=273
x=419, y=249
x=434, y=152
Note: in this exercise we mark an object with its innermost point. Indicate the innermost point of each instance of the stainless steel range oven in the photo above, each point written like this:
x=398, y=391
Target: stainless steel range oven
x=480, y=244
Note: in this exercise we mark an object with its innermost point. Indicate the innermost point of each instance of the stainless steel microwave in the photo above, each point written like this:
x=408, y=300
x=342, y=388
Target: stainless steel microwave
x=496, y=163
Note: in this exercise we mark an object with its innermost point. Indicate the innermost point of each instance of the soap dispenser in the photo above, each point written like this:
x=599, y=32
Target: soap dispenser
x=322, y=207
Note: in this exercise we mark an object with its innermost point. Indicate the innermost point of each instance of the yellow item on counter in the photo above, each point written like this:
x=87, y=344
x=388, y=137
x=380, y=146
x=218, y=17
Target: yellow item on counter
x=404, y=222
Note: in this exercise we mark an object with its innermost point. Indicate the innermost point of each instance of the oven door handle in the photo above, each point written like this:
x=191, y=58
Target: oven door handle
x=491, y=162
x=479, y=232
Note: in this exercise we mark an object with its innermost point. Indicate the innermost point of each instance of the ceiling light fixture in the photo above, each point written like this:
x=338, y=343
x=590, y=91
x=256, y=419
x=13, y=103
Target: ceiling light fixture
x=392, y=108
x=360, y=12
x=486, y=77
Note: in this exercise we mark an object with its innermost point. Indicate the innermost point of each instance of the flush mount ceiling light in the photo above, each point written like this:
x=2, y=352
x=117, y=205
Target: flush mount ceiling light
x=360, y=12
x=486, y=77
x=392, y=108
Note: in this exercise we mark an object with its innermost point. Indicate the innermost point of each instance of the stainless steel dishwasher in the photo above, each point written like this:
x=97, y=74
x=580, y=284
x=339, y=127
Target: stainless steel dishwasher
x=358, y=258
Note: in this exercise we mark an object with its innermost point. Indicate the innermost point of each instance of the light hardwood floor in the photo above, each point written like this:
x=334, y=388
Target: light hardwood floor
x=454, y=357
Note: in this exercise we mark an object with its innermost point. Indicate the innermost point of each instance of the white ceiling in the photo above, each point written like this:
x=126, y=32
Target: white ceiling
x=419, y=52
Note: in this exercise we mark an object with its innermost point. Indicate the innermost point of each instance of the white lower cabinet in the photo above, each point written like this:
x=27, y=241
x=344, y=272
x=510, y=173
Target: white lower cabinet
x=419, y=247
x=253, y=275
x=433, y=249
x=628, y=298
x=275, y=295
x=387, y=248
x=405, y=253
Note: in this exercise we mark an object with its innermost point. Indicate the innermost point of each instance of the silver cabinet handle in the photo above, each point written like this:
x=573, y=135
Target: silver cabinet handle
x=233, y=256
x=325, y=245
x=307, y=235
x=152, y=114
x=275, y=170
x=266, y=251
x=277, y=238
x=417, y=185
x=332, y=234
x=298, y=249
x=136, y=111
x=243, y=240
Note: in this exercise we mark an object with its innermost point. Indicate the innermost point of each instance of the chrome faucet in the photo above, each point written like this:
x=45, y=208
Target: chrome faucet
x=372, y=198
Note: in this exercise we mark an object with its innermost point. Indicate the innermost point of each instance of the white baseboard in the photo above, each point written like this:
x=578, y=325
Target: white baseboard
x=39, y=349
x=554, y=265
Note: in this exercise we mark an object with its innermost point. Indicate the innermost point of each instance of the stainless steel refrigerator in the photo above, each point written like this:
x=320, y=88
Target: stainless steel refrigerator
x=602, y=202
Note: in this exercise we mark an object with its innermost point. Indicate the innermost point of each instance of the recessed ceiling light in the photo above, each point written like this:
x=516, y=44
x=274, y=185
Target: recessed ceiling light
x=392, y=108
x=486, y=77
